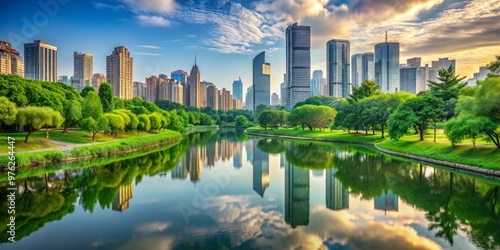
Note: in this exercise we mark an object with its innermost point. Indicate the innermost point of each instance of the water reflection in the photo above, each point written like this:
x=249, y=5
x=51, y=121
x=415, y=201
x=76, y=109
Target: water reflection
x=323, y=196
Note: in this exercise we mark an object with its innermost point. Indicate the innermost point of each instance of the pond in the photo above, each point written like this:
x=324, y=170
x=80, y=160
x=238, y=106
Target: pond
x=225, y=190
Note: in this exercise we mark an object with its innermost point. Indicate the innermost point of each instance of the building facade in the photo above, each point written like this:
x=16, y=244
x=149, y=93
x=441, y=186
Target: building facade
x=261, y=81
x=238, y=90
x=275, y=99
x=140, y=90
x=443, y=63
x=212, y=96
x=17, y=64
x=362, y=68
x=193, y=83
x=40, y=61
x=298, y=64
x=180, y=76
x=83, y=69
x=387, y=66
x=318, y=83
x=119, y=72
x=338, y=68
x=152, y=88
x=249, y=98
x=97, y=79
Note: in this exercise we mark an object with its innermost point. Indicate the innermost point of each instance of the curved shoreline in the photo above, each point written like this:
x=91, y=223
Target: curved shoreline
x=446, y=164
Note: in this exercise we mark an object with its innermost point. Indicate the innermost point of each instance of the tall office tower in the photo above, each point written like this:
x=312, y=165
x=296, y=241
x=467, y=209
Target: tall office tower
x=140, y=89
x=443, y=63
x=318, y=83
x=122, y=198
x=119, y=72
x=212, y=96
x=193, y=83
x=368, y=66
x=238, y=89
x=5, y=58
x=298, y=64
x=97, y=79
x=83, y=70
x=249, y=98
x=388, y=201
x=296, y=196
x=179, y=75
x=362, y=68
x=387, y=66
x=261, y=81
x=338, y=68
x=283, y=91
x=203, y=93
x=275, y=99
x=17, y=64
x=40, y=61
x=260, y=164
x=337, y=196
x=152, y=87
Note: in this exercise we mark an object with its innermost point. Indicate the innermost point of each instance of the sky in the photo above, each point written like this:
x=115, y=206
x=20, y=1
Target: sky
x=225, y=35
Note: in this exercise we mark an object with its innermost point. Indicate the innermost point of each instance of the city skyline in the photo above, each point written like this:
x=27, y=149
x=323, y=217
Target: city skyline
x=161, y=34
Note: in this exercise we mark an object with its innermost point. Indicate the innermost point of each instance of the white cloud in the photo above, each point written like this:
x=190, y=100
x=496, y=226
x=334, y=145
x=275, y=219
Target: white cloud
x=151, y=6
x=101, y=6
x=147, y=54
x=153, y=227
x=153, y=20
x=149, y=46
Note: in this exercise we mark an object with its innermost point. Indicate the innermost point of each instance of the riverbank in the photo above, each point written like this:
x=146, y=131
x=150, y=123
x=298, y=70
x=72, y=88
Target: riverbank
x=467, y=158
x=96, y=150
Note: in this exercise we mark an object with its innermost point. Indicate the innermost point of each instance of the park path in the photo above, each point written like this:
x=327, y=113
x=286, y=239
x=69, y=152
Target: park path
x=63, y=146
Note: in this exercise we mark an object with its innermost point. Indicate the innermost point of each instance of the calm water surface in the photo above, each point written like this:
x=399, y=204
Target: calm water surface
x=223, y=190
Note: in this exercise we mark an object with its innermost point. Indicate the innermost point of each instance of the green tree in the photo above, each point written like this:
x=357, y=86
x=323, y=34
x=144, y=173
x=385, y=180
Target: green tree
x=8, y=112
x=241, y=120
x=176, y=123
x=92, y=106
x=144, y=123
x=94, y=126
x=35, y=118
x=118, y=103
x=467, y=127
x=447, y=88
x=418, y=112
x=86, y=90
x=494, y=67
x=115, y=123
x=368, y=88
x=106, y=97
x=205, y=119
x=155, y=119
x=259, y=110
x=72, y=114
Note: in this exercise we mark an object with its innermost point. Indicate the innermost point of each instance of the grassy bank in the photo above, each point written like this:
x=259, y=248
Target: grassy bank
x=484, y=155
x=200, y=128
x=98, y=150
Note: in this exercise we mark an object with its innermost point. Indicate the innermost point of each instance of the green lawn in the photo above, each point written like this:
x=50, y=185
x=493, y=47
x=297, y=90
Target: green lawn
x=36, y=141
x=484, y=155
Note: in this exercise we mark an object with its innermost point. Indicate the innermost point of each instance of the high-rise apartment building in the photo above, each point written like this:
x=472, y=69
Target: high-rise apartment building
x=362, y=68
x=338, y=68
x=193, y=83
x=298, y=64
x=140, y=90
x=212, y=96
x=237, y=104
x=387, y=66
x=318, y=83
x=40, y=61
x=225, y=100
x=5, y=58
x=152, y=88
x=83, y=69
x=119, y=72
x=203, y=93
x=97, y=79
x=443, y=63
x=17, y=64
x=238, y=89
x=261, y=81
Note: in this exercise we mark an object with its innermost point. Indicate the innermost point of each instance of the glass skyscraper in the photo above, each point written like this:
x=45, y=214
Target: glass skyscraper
x=261, y=80
x=387, y=66
x=40, y=61
x=298, y=64
x=318, y=83
x=362, y=68
x=338, y=68
x=238, y=90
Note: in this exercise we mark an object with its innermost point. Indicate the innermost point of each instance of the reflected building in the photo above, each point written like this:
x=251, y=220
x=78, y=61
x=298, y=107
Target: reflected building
x=283, y=161
x=296, y=196
x=249, y=148
x=237, y=156
x=211, y=154
x=260, y=171
x=180, y=172
x=122, y=198
x=194, y=164
x=388, y=201
x=337, y=197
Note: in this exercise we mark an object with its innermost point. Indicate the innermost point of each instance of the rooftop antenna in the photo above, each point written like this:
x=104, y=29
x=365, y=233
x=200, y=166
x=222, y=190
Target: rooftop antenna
x=386, y=36
x=195, y=58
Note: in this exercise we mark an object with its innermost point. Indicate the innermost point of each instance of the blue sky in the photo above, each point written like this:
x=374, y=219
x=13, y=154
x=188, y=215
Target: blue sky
x=165, y=35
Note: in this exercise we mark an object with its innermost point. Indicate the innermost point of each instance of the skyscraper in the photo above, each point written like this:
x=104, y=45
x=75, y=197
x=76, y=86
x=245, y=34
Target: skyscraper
x=296, y=196
x=283, y=91
x=193, y=83
x=17, y=64
x=387, y=66
x=414, y=78
x=261, y=80
x=337, y=197
x=443, y=63
x=97, y=79
x=40, y=61
x=318, y=83
x=83, y=69
x=275, y=99
x=180, y=76
x=260, y=171
x=408, y=79
x=152, y=88
x=119, y=72
x=212, y=96
x=388, y=201
x=249, y=98
x=298, y=64
x=362, y=68
x=238, y=90
x=338, y=68
x=5, y=58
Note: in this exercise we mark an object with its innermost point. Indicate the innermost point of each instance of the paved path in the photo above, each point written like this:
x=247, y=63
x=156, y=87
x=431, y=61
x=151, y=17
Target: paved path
x=63, y=146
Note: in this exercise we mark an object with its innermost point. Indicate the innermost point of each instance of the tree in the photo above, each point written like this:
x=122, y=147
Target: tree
x=118, y=103
x=72, y=113
x=86, y=90
x=92, y=106
x=115, y=123
x=176, y=123
x=144, y=123
x=8, y=112
x=258, y=110
x=368, y=88
x=241, y=120
x=155, y=119
x=467, y=127
x=447, y=88
x=494, y=67
x=94, y=126
x=205, y=119
x=35, y=118
x=106, y=97
x=418, y=112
